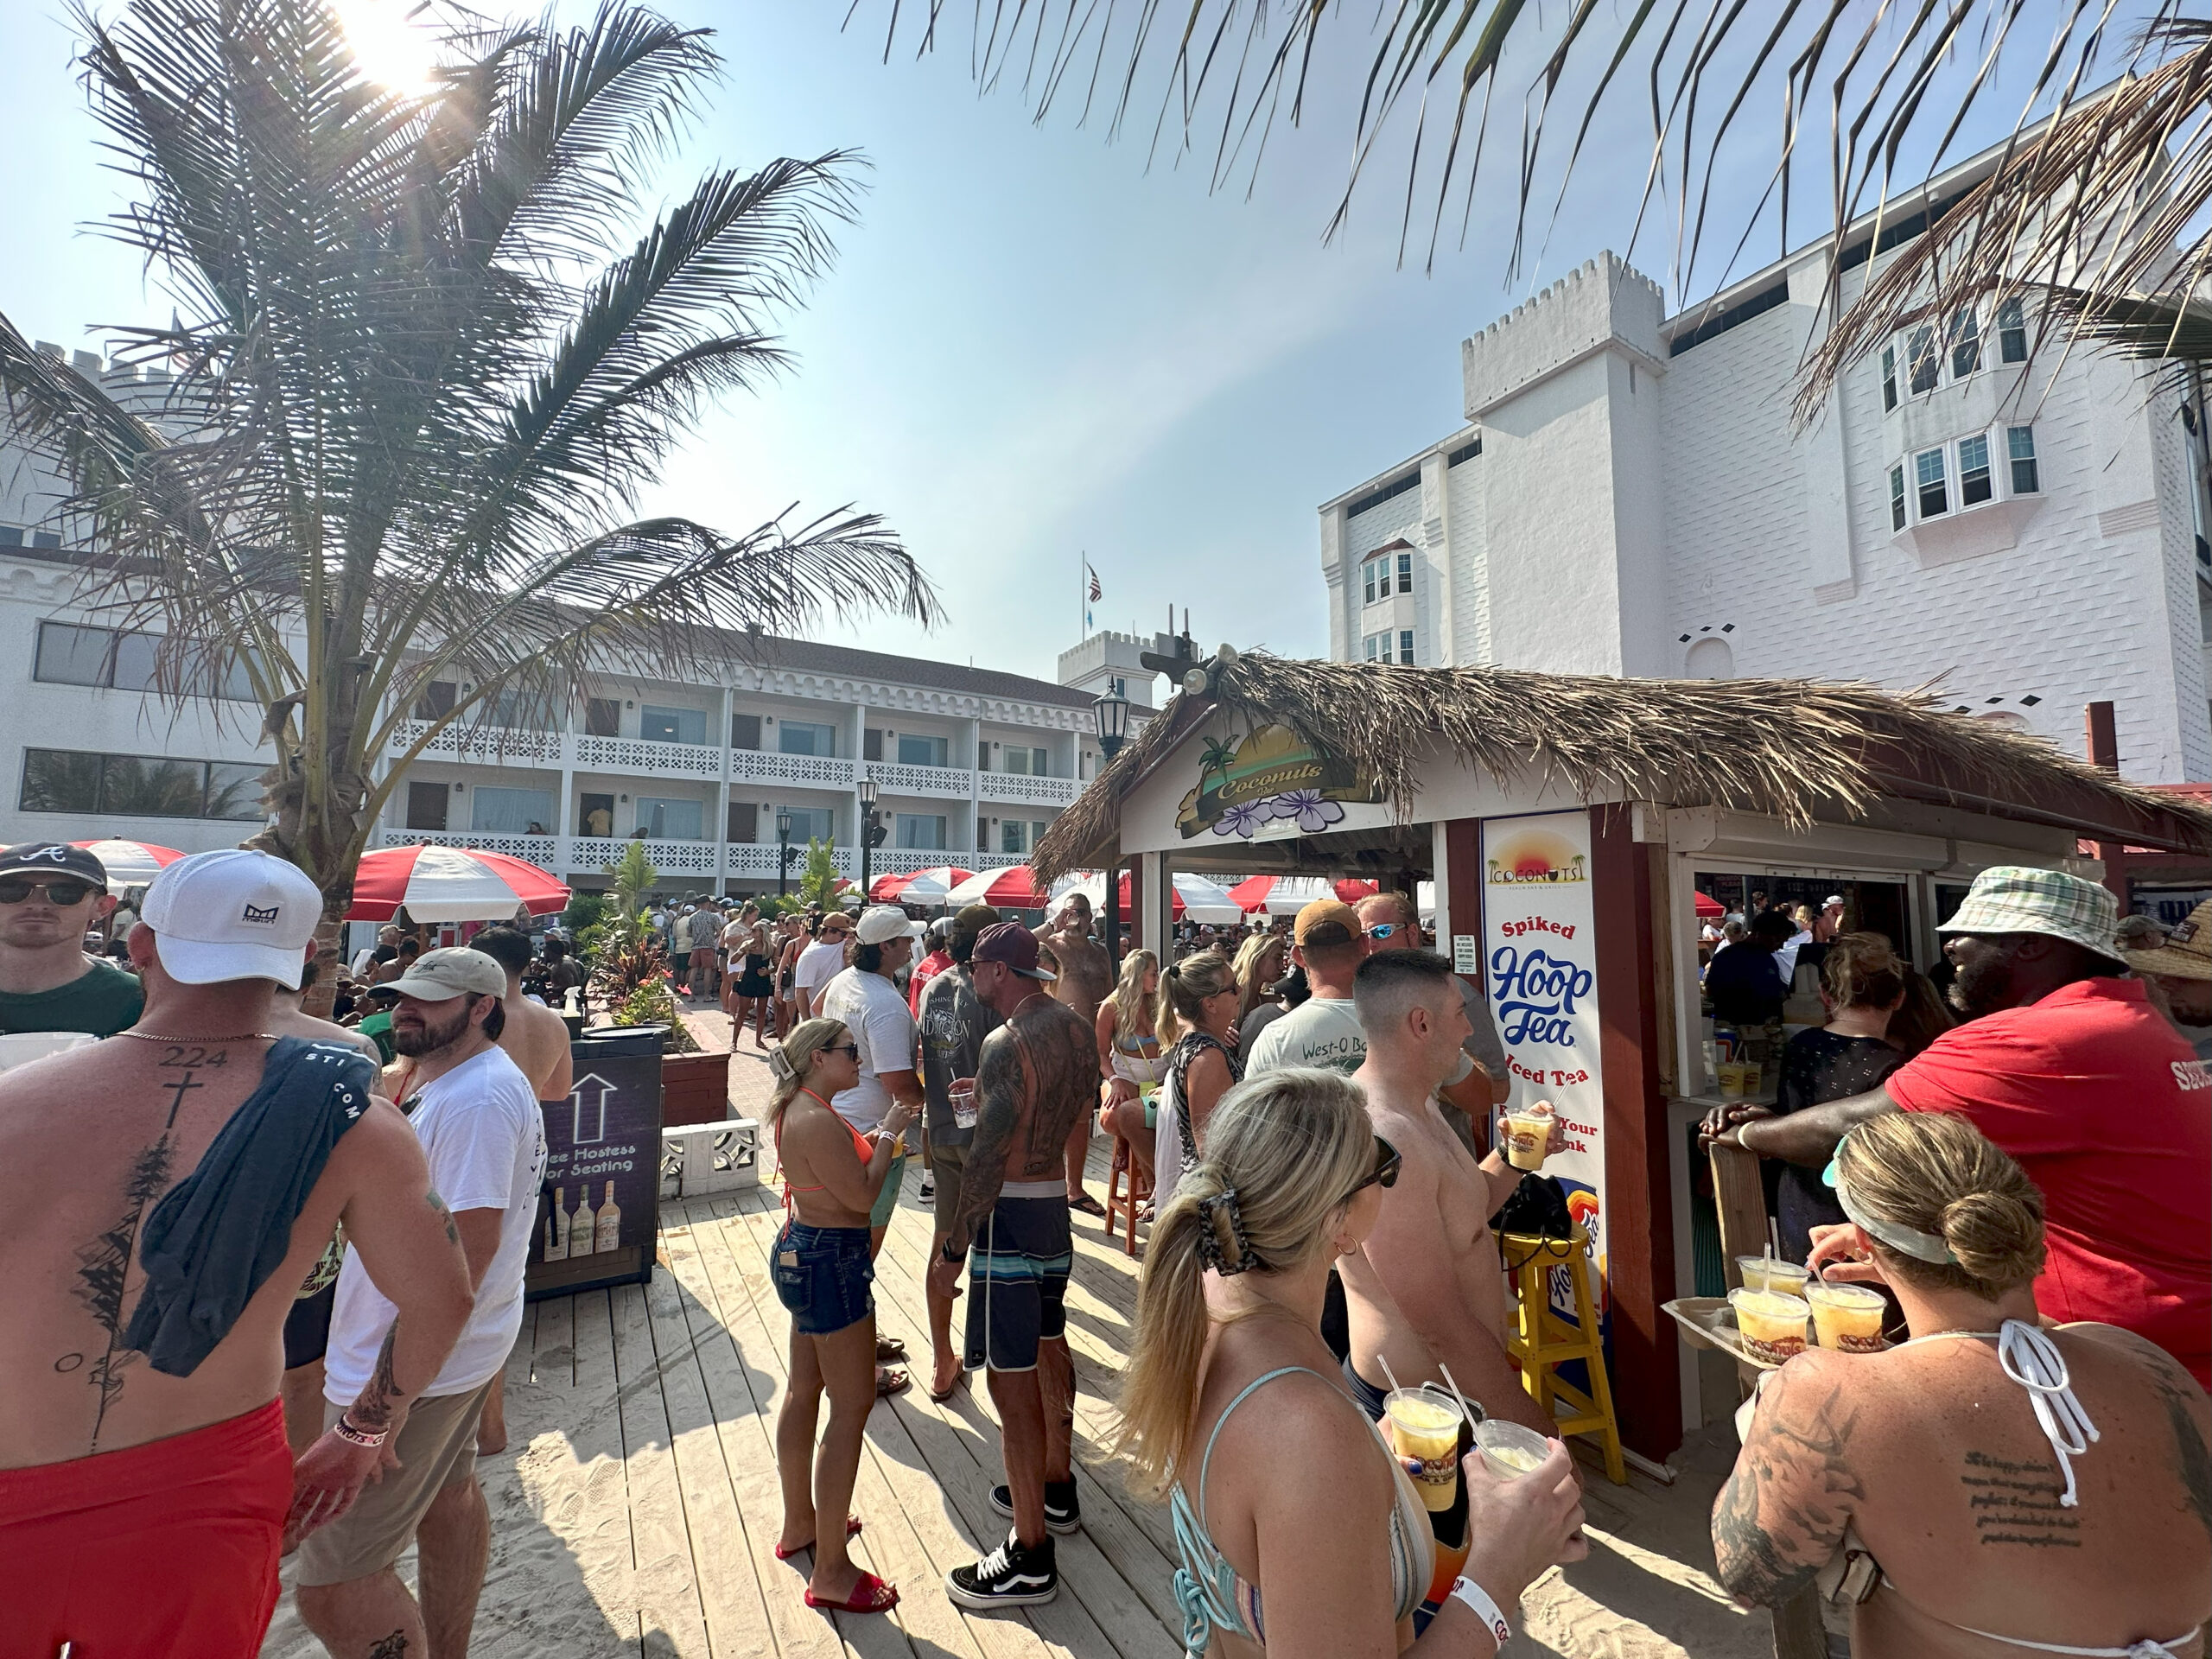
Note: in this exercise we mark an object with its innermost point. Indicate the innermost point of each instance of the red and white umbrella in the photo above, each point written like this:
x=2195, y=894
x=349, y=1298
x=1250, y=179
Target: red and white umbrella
x=1709, y=908
x=1012, y=888
x=129, y=863
x=1285, y=895
x=451, y=883
x=927, y=887
x=1195, y=897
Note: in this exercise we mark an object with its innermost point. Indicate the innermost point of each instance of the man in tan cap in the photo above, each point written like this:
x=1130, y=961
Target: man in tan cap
x=821, y=961
x=2181, y=969
x=1324, y=1030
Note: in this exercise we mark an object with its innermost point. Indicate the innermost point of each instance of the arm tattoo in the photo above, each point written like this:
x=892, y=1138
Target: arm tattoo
x=999, y=1111
x=452, y=1233
x=2178, y=1393
x=373, y=1409
x=1789, y=1498
x=1036, y=1078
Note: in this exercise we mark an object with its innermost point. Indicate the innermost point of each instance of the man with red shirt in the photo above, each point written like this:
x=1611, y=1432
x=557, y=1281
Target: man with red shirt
x=2071, y=1069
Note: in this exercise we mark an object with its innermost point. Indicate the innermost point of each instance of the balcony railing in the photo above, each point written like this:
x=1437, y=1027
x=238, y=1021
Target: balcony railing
x=741, y=860
x=641, y=754
x=768, y=767
x=545, y=851
x=1027, y=789
x=951, y=782
x=490, y=745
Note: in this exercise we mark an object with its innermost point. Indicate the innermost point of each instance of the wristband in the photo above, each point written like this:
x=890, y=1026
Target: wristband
x=952, y=1252
x=344, y=1429
x=1467, y=1590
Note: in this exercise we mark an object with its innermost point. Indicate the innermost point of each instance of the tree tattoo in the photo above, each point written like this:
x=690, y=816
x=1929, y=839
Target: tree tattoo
x=1037, y=1076
x=1786, y=1506
x=103, y=1265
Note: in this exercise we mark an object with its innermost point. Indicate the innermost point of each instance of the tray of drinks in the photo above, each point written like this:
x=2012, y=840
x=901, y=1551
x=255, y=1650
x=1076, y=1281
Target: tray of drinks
x=1766, y=1327
x=1709, y=1322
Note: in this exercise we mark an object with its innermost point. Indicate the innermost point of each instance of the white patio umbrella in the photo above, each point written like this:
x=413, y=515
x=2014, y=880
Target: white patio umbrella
x=1201, y=900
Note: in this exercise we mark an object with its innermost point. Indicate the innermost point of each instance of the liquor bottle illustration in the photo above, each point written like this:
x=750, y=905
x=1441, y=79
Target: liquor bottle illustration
x=580, y=1226
x=607, y=1232
x=556, y=1227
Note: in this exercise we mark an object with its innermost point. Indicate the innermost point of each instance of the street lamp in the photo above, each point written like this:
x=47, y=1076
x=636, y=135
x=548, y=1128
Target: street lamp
x=1112, y=714
x=783, y=851
x=868, y=831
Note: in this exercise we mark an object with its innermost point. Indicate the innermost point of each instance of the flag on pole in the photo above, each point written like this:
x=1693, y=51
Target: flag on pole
x=1092, y=594
x=1096, y=592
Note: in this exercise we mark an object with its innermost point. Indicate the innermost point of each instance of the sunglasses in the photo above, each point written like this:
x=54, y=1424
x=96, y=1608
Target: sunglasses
x=1384, y=930
x=1385, y=1173
x=853, y=1049
x=63, y=893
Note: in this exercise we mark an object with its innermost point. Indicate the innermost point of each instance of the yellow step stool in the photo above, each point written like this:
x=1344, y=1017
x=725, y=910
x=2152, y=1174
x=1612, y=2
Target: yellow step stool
x=1539, y=1341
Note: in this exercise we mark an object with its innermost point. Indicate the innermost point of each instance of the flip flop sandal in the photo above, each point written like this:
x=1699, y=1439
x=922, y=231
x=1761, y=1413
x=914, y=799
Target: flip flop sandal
x=885, y=1386
x=888, y=1349
x=870, y=1595
x=852, y=1530
x=1088, y=1205
x=959, y=1376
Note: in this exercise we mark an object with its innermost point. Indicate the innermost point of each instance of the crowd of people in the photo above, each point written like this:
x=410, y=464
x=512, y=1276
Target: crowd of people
x=265, y=1302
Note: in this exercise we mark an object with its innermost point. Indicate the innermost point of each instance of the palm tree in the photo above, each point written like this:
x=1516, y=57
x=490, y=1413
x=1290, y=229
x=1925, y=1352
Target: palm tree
x=2097, y=203
x=430, y=349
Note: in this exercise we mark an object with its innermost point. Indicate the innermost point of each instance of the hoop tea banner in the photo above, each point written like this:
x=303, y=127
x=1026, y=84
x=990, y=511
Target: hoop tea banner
x=1539, y=927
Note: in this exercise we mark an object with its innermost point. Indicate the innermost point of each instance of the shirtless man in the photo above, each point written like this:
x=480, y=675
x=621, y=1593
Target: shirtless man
x=1037, y=1075
x=537, y=1040
x=145, y=1486
x=1431, y=1247
x=1086, y=978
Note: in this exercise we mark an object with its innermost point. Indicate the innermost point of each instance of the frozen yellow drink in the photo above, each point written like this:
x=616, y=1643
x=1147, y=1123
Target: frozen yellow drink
x=1772, y=1324
x=1526, y=1136
x=1847, y=1317
x=1771, y=1273
x=1509, y=1450
x=1425, y=1425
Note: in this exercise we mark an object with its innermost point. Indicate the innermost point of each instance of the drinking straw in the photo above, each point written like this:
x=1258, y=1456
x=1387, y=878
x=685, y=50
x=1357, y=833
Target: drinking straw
x=1456, y=1394
x=1773, y=1239
x=1388, y=1374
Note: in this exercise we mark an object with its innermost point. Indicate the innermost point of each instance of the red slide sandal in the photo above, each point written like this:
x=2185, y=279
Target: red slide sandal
x=870, y=1595
x=852, y=1530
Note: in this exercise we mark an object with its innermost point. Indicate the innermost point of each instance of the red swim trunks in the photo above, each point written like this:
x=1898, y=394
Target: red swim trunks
x=166, y=1549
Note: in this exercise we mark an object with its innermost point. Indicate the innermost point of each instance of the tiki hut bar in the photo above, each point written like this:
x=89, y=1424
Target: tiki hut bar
x=1574, y=827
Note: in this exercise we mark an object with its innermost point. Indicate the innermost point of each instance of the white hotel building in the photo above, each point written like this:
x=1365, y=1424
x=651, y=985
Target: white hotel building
x=1628, y=497
x=969, y=764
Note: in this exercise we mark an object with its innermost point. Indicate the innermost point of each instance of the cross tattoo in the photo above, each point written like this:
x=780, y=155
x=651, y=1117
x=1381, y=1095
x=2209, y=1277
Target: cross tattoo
x=177, y=1102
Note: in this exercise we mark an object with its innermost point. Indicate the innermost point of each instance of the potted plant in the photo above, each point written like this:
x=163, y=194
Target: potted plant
x=632, y=978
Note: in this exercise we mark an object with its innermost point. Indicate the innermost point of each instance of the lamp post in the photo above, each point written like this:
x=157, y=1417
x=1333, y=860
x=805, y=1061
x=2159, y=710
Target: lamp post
x=1112, y=714
x=868, y=831
x=783, y=851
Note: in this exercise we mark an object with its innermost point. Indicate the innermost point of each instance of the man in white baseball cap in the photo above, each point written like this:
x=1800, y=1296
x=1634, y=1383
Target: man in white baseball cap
x=484, y=1137
x=865, y=1000
x=174, y=1188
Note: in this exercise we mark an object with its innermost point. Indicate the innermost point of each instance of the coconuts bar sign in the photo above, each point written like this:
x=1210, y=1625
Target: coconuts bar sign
x=1271, y=784
x=1539, y=950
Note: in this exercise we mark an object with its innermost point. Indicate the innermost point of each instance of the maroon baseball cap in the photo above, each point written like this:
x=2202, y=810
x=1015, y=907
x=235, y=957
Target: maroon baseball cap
x=1011, y=945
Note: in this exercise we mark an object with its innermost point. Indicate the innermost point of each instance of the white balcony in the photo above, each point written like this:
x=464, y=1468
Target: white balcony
x=545, y=851
x=1026, y=789
x=483, y=746
x=767, y=767
x=637, y=754
x=595, y=853
x=950, y=783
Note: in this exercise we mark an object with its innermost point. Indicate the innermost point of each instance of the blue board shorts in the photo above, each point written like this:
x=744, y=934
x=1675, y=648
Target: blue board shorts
x=1018, y=1282
x=823, y=1276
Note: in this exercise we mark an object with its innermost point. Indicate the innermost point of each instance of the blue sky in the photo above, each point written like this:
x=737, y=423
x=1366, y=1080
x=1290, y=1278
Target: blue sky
x=1036, y=345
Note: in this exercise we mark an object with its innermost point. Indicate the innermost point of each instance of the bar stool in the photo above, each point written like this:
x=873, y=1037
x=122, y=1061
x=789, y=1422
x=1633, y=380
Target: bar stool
x=1540, y=1341
x=1124, y=1202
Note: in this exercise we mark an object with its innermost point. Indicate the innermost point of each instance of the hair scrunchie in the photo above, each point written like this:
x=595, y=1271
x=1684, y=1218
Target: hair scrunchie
x=1209, y=1251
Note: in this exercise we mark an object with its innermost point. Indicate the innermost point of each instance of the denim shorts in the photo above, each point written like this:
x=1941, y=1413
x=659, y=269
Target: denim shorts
x=822, y=1275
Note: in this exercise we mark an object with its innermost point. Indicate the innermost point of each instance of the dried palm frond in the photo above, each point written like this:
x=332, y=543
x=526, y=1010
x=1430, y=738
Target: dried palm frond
x=1785, y=749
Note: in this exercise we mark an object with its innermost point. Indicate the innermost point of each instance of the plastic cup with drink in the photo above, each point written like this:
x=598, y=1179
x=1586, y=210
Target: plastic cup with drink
x=960, y=1093
x=1425, y=1427
x=1847, y=1317
x=1772, y=1272
x=1771, y=1324
x=1527, y=1135
x=1509, y=1450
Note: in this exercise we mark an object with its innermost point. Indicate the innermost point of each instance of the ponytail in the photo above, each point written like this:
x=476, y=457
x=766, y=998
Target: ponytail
x=1184, y=990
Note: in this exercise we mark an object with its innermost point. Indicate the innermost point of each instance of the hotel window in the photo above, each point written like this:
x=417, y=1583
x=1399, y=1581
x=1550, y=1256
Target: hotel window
x=1966, y=343
x=1405, y=573
x=1923, y=363
x=1405, y=646
x=1973, y=470
x=809, y=824
x=1927, y=473
x=1889, y=378
x=2012, y=333
x=510, y=811
x=915, y=750
x=658, y=725
x=125, y=661
x=923, y=831
x=669, y=819
x=1375, y=647
x=1373, y=580
x=2020, y=448
x=140, y=786
x=802, y=737
x=1897, y=497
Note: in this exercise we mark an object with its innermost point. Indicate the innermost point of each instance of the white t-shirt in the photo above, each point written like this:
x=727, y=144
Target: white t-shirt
x=819, y=964
x=869, y=1007
x=484, y=1136
x=1323, y=1030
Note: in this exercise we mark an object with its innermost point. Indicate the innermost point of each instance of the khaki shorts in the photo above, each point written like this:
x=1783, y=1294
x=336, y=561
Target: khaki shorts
x=948, y=1165
x=437, y=1449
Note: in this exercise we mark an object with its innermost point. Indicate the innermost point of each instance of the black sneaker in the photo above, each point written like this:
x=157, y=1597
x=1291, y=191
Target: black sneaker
x=1063, y=1513
x=929, y=1186
x=1010, y=1576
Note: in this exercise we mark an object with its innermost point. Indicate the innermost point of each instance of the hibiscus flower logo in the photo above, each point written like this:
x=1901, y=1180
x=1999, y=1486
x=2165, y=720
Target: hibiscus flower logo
x=1242, y=818
x=1313, y=811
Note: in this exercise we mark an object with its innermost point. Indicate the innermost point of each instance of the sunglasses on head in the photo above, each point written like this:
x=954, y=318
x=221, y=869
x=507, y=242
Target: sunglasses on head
x=1385, y=1173
x=14, y=890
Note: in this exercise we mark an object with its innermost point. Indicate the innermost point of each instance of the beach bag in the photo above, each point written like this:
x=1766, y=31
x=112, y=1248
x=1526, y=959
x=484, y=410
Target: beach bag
x=1536, y=1208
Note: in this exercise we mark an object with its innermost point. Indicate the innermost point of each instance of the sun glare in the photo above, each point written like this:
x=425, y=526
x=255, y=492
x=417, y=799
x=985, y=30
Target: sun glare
x=392, y=48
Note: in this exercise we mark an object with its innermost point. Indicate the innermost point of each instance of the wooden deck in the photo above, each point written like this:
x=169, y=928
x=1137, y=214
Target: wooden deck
x=636, y=1507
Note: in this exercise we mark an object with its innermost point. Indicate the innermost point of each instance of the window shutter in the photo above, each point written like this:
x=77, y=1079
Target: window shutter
x=744, y=734
x=744, y=821
x=872, y=746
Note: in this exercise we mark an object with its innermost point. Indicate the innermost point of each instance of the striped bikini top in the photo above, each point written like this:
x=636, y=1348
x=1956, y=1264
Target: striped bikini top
x=1214, y=1596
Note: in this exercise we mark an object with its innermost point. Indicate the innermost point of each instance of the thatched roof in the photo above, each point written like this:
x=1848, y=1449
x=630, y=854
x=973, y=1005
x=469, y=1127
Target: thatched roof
x=1782, y=748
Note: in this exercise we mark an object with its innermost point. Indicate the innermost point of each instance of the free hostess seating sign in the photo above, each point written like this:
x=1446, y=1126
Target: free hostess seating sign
x=1540, y=957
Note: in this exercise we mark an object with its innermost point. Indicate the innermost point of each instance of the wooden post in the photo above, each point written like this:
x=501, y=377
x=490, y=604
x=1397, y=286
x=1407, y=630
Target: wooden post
x=2102, y=742
x=1639, y=1227
x=1463, y=892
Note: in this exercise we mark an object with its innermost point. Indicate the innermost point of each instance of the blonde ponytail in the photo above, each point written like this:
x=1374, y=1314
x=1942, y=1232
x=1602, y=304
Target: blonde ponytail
x=1184, y=990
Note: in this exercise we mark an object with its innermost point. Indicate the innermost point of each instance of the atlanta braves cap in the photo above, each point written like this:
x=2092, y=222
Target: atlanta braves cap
x=53, y=858
x=232, y=915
